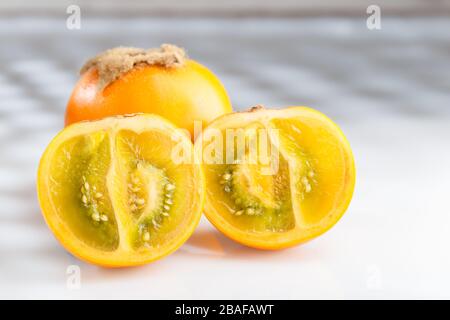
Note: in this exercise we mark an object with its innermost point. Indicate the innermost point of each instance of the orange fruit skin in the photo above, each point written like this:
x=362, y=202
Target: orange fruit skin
x=182, y=95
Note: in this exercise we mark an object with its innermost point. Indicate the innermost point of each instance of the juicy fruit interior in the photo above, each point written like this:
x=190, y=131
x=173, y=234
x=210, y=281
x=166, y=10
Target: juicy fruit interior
x=317, y=163
x=301, y=189
x=121, y=191
x=157, y=190
x=78, y=184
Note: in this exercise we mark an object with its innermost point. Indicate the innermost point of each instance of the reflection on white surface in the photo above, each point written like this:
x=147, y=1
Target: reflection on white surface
x=389, y=91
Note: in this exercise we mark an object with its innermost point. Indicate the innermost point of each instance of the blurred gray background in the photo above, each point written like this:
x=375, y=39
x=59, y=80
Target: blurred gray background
x=388, y=89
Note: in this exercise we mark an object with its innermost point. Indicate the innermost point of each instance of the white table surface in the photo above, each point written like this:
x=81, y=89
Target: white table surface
x=389, y=90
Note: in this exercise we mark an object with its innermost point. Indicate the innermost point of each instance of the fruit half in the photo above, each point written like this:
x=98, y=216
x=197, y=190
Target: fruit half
x=112, y=193
x=275, y=178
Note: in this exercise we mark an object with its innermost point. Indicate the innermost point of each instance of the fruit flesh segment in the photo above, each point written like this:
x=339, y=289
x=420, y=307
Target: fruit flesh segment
x=318, y=176
x=154, y=206
x=79, y=193
x=255, y=198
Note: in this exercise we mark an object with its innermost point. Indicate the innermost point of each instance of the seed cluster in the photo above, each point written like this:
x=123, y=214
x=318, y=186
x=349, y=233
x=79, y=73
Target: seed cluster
x=163, y=211
x=136, y=203
x=306, y=181
x=250, y=208
x=91, y=198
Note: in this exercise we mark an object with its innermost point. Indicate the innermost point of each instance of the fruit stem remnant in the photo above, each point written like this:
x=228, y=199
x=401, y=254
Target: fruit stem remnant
x=256, y=108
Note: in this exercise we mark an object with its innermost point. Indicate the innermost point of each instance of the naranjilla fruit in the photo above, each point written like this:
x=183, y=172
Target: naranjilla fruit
x=113, y=193
x=127, y=186
x=161, y=81
x=275, y=178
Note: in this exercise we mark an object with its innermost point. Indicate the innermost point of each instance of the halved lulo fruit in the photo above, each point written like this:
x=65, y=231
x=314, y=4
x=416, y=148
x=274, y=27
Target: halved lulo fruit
x=275, y=178
x=112, y=193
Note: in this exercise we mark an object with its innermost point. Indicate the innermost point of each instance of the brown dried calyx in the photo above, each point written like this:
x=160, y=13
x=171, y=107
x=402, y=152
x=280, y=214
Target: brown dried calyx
x=113, y=63
x=256, y=108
